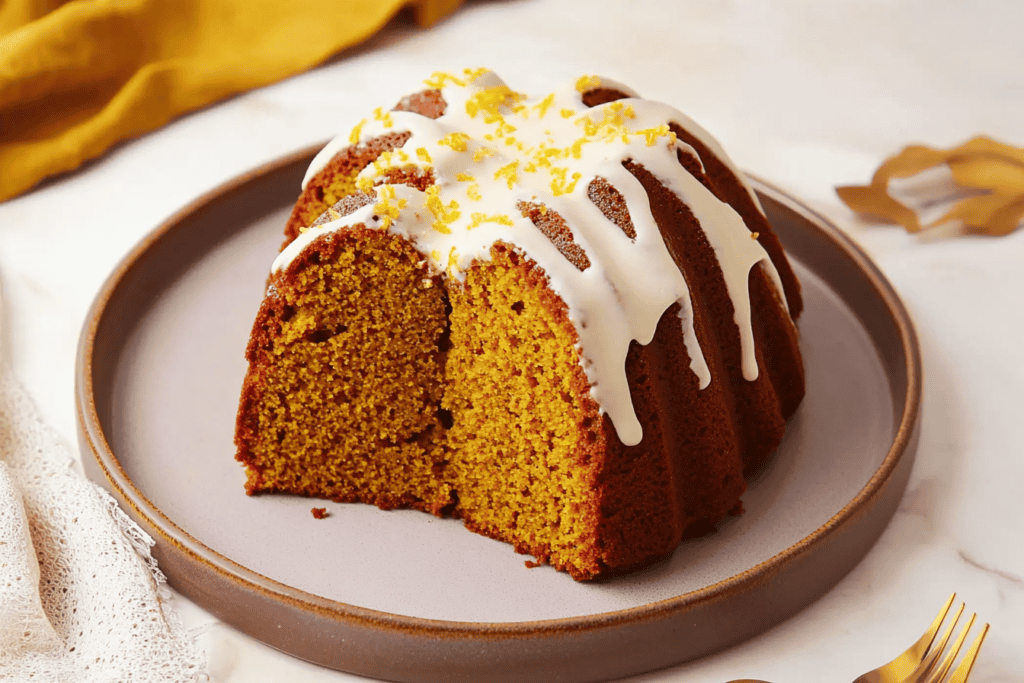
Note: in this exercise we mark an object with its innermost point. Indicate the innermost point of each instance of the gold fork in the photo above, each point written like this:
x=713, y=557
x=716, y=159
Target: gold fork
x=918, y=664
x=900, y=669
x=927, y=671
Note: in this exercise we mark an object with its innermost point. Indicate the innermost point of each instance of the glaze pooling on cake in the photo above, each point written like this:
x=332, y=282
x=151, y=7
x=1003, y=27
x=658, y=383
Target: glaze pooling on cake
x=494, y=149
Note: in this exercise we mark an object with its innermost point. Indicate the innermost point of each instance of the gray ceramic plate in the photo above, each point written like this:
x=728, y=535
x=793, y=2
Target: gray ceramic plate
x=405, y=596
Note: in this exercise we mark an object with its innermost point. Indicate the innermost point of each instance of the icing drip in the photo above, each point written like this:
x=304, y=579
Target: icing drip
x=494, y=148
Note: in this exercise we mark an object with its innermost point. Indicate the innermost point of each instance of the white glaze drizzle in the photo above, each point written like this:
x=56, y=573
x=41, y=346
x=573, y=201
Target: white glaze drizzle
x=547, y=151
x=694, y=129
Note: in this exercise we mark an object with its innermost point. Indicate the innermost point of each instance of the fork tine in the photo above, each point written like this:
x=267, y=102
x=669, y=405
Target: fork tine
x=964, y=670
x=906, y=664
x=920, y=675
x=947, y=663
x=924, y=643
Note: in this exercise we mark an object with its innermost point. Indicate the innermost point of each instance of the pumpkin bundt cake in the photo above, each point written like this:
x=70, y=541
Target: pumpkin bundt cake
x=563, y=320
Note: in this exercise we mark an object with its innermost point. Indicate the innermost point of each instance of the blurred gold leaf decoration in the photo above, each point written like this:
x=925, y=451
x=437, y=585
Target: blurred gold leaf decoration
x=994, y=171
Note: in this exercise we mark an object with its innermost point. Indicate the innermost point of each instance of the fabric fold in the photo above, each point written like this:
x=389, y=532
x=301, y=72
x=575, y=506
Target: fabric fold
x=81, y=598
x=26, y=627
x=78, y=77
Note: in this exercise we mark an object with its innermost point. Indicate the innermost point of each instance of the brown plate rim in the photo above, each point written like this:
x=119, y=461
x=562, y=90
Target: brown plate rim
x=108, y=470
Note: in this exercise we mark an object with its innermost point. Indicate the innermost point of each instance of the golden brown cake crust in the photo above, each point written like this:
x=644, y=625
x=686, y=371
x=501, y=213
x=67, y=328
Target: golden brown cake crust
x=336, y=181
x=716, y=176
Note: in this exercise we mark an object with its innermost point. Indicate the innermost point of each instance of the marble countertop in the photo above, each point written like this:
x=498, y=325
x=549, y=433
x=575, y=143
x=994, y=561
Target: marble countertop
x=807, y=96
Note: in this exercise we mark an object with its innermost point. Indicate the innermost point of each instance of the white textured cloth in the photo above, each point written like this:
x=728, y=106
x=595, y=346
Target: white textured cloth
x=81, y=598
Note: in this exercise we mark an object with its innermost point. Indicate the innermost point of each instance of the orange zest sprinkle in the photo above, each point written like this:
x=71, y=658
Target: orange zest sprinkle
x=489, y=101
x=444, y=215
x=473, y=74
x=388, y=207
x=510, y=172
x=453, y=260
x=383, y=116
x=439, y=79
x=482, y=153
x=545, y=104
x=577, y=148
x=586, y=83
x=479, y=219
x=652, y=134
x=560, y=184
x=457, y=141
x=356, y=133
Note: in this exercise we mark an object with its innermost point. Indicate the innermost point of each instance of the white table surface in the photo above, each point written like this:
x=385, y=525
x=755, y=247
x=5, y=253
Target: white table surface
x=806, y=95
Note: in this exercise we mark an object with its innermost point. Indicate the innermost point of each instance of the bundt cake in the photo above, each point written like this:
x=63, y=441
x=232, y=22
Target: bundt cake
x=563, y=320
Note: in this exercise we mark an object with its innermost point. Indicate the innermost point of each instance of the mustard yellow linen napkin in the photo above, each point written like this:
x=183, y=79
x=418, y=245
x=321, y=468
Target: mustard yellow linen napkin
x=77, y=77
